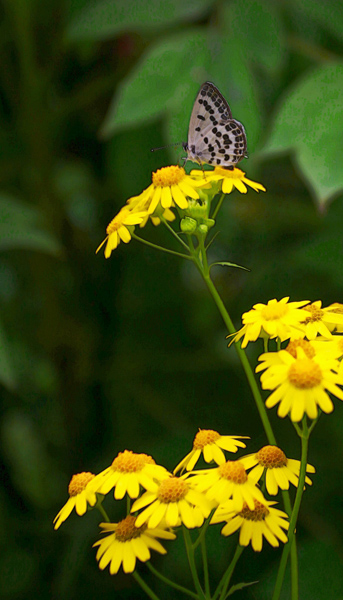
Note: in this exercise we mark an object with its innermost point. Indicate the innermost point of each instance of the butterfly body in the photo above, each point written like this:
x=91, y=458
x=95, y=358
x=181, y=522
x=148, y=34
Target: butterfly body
x=214, y=137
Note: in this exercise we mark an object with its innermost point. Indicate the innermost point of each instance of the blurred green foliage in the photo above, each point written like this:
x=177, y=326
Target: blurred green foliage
x=97, y=356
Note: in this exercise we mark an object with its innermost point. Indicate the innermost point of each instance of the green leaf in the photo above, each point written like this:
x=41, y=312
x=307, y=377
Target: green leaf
x=239, y=586
x=21, y=227
x=228, y=264
x=328, y=14
x=103, y=19
x=154, y=86
x=309, y=122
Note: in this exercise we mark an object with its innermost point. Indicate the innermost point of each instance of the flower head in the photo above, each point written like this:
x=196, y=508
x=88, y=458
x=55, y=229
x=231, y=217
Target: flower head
x=280, y=470
x=229, y=480
x=176, y=502
x=321, y=321
x=275, y=319
x=170, y=186
x=127, y=473
x=210, y=444
x=300, y=383
x=118, y=230
x=254, y=524
x=125, y=543
x=80, y=496
x=231, y=178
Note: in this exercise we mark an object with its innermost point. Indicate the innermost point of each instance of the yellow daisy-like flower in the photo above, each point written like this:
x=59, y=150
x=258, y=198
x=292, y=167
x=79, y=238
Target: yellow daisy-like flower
x=263, y=521
x=126, y=542
x=170, y=186
x=280, y=470
x=127, y=473
x=231, y=179
x=141, y=203
x=210, y=444
x=300, y=384
x=280, y=319
x=176, y=502
x=337, y=309
x=229, y=480
x=118, y=230
x=80, y=496
x=321, y=321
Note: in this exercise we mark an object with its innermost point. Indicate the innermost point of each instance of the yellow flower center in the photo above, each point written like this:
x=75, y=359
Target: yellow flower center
x=205, y=437
x=117, y=222
x=259, y=513
x=230, y=173
x=126, y=529
x=168, y=176
x=271, y=457
x=305, y=374
x=233, y=470
x=301, y=343
x=272, y=312
x=336, y=307
x=316, y=313
x=172, y=490
x=129, y=462
x=78, y=483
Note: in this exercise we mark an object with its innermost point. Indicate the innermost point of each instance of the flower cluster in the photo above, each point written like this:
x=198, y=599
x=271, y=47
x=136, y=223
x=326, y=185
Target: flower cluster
x=171, y=188
x=303, y=374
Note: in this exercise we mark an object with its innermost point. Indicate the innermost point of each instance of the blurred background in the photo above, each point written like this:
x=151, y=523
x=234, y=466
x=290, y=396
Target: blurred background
x=98, y=356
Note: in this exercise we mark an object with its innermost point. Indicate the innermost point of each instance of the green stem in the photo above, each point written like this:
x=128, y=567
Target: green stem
x=171, y=583
x=219, y=203
x=156, y=247
x=102, y=511
x=145, y=586
x=205, y=566
x=191, y=562
x=291, y=533
x=176, y=236
x=225, y=580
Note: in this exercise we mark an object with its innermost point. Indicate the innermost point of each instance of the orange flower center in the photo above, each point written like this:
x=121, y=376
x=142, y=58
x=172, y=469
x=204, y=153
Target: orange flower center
x=272, y=312
x=205, y=437
x=271, y=457
x=129, y=462
x=233, y=470
x=305, y=374
x=316, y=313
x=126, y=529
x=78, y=483
x=230, y=173
x=259, y=513
x=301, y=343
x=117, y=222
x=168, y=176
x=172, y=490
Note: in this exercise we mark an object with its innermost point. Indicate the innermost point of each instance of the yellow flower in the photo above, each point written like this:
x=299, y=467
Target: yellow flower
x=170, y=186
x=211, y=444
x=337, y=309
x=80, y=496
x=280, y=319
x=118, y=229
x=126, y=542
x=231, y=178
x=262, y=521
x=300, y=384
x=142, y=202
x=176, y=501
x=321, y=321
x=127, y=473
x=280, y=470
x=229, y=480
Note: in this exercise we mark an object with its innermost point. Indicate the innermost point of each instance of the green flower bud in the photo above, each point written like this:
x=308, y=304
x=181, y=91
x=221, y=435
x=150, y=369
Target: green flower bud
x=188, y=225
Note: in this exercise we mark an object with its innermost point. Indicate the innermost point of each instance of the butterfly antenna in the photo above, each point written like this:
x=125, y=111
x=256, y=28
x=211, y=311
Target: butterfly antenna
x=167, y=146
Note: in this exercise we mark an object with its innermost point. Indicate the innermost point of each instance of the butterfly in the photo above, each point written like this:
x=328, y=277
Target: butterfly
x=214, y=137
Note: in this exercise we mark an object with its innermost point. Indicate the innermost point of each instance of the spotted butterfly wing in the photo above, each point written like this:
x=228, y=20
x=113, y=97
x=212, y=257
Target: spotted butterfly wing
x=214, y=137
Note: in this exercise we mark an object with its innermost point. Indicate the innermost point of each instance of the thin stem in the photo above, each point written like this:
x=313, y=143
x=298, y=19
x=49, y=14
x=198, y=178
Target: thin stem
x=171, y=583
x=102, y=511
x=176, y=236
x=219, y=203
x=156, y=247
x=225, y=580
x=145, y=586
x=191, y=562
x=205, y=566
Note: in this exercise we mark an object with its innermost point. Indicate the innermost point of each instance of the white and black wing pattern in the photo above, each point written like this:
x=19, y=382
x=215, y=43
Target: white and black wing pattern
x=214, y=137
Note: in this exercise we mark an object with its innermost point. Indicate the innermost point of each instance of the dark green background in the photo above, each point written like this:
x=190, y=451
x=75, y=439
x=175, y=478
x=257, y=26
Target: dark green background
x=97, y=356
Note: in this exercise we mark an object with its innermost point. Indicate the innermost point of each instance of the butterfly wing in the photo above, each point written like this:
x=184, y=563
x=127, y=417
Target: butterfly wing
x=214, y=137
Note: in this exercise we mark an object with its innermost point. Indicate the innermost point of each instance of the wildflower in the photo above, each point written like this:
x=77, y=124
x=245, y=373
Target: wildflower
x=229, y=480
x=175, y=501
x=80, y=496
x=170, y=186
x=276, y=319
x=210, y=444
x=254, y=524
x=127, y=473
x=231, y=178
x=141, y=203
x=280, y=470
x=320, y=321
x=300, y=384
x=118, y=229
x=126, y=542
